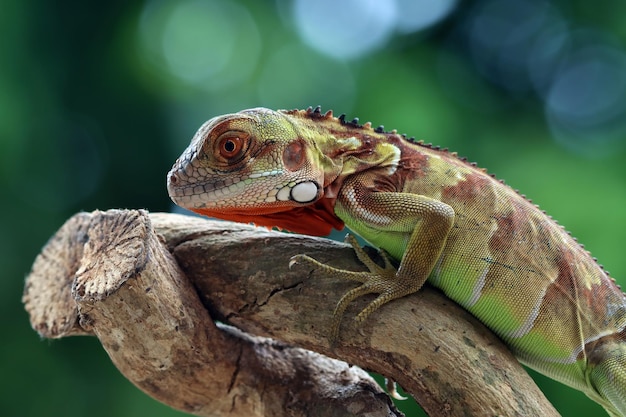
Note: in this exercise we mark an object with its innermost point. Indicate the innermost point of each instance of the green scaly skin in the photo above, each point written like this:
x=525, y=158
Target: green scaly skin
x=443, y=219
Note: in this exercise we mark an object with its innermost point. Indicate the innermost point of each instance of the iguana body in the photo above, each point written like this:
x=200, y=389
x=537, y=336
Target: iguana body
x=445, y=220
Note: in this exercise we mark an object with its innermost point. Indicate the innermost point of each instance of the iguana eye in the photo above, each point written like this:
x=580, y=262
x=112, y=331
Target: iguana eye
x=231, y=145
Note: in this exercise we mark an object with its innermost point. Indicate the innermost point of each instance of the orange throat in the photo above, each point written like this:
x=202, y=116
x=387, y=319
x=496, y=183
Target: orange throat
x=317, y=219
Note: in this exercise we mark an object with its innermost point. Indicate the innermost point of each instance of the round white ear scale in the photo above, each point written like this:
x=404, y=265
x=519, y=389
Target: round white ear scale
x=304, y=192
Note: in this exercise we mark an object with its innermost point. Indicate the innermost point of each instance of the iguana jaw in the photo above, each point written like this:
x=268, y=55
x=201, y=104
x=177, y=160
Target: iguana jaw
x=315, y=218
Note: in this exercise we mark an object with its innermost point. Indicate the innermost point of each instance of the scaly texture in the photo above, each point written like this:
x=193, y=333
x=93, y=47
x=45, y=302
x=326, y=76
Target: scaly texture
x=445, y=220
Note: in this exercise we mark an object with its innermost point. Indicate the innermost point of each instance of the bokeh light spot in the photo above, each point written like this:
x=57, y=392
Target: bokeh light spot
x=586, y=106
x=416, y=15
x=346, y=29
x=502, y=36
x=550, y=48
x=189, y=40
x=211, y=45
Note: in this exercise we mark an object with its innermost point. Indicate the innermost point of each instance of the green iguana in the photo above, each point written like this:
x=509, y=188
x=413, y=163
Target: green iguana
x=446, y=221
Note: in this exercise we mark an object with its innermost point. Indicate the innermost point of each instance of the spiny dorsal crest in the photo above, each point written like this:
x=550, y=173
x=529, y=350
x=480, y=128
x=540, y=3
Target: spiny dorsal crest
x=317, y=114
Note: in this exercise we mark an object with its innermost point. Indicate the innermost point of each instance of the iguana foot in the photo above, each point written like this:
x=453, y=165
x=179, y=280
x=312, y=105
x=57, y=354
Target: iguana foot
x=378, y=280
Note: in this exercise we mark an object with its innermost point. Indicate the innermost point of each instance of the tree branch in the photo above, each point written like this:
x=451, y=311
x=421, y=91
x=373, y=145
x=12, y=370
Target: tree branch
x=109, y=274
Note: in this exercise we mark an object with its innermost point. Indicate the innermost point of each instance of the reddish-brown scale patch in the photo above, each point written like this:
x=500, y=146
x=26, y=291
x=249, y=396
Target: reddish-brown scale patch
x=508, y=225
x=332, y=185
x=603, y=298
x=565, y=286
x=293, y=155
x=501, y=239
x=598, y=297
x=390, y=183
x=570, y=295
x=413, y=162
x=467, y=190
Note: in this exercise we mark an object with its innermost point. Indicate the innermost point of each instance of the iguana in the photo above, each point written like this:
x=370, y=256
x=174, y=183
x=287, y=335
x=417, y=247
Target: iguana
x=445, y=220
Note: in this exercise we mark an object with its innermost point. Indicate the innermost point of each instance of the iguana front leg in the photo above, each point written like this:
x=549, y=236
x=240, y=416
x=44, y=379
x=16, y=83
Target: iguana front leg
x=411, y=227
x=376, y=280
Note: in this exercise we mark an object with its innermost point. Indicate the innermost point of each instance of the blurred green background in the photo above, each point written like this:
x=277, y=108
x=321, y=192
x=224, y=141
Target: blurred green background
x=97, y=99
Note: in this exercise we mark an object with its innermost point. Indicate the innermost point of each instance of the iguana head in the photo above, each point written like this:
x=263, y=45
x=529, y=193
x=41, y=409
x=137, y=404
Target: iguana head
x=257, y=166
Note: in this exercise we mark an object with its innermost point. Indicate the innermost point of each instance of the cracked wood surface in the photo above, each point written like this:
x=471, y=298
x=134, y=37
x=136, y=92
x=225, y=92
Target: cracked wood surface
x=109, y=274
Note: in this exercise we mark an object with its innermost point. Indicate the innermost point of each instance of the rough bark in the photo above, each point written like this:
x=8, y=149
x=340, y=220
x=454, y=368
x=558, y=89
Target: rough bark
x=150, y=286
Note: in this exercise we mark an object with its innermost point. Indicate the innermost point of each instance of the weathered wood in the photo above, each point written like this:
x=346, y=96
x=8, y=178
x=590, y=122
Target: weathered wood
x=109, y=274
x=150, y=313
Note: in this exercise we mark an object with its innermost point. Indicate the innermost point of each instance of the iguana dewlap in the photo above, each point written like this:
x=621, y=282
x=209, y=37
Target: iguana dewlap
x=445, y=220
